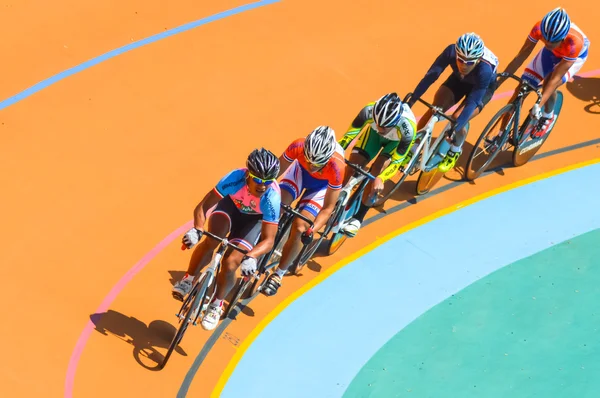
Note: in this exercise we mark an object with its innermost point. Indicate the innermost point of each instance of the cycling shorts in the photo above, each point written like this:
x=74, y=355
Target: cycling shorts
x=244, y=228
x=460, y=90
x=542, y=65
x=369, y=144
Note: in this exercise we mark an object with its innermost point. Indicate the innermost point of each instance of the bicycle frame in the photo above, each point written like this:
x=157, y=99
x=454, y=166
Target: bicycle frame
x=211, y=272
x=346, y=194
x=523, y=90
x=425, y=134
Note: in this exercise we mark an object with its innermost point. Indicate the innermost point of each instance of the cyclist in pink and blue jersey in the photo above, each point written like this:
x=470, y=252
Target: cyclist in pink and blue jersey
x=245, y=207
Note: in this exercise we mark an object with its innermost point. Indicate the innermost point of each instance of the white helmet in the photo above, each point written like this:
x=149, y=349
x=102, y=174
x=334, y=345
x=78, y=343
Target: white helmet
x=319, y=145
x=470, y=46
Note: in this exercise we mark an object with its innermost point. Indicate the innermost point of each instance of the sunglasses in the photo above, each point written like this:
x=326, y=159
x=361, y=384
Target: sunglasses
x=261, y=181
x=468, y=62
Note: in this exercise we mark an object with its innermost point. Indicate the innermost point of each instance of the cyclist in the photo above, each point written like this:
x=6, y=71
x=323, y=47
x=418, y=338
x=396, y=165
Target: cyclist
x=316, y=165
x=392, y=130
x=248, y=202
x=473, y=76
x=564, y=53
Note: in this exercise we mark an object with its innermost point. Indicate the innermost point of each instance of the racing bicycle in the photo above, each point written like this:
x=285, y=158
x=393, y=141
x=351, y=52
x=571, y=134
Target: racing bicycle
x=491, y=141
x=196, y=302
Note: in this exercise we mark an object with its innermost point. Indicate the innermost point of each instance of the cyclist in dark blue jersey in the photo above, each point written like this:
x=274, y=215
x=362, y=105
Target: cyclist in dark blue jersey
x=244, y=206
x=473, y=76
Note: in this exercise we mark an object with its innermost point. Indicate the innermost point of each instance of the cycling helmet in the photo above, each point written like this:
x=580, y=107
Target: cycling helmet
x=469, y=46
x=319, y=145
x=387, y=110
x=555, y=25
x=263, y=164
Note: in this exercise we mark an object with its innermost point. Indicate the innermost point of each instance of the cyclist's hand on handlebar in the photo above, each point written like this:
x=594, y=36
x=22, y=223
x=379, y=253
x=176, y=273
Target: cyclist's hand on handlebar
x=191, y=237
x=377, y=186
x=307, y=236
x=248, y=266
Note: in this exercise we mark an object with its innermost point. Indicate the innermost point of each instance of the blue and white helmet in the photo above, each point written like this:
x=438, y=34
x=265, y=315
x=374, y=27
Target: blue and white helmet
x=469, y=46
x=555, y=25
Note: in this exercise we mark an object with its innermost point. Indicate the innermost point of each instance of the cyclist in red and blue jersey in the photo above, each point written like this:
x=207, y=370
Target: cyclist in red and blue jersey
x=315, y=165
x=473, y=76
x=564, y=53
x=245, y=207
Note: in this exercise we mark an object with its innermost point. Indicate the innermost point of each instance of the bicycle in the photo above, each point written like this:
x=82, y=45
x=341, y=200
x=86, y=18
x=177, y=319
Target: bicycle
x=196, y=302
x=424, y=156
x=510, y=134
x=350, y=200
x=264, y=267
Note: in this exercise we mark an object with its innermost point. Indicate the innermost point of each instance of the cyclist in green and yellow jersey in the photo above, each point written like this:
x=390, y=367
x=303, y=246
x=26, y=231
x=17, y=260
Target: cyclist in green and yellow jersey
x=390, y=133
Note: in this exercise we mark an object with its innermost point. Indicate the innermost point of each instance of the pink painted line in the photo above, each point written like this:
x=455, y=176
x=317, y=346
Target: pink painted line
x=110, y=297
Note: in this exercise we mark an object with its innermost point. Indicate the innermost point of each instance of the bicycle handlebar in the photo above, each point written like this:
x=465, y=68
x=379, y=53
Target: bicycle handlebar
x=290, y=209
x=436, y=109
x=218, y=238
x=522, y=82
x=359, y=169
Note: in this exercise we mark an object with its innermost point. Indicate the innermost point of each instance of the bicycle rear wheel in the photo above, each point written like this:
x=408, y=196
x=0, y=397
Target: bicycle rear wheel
x=528, y=146
x=492, y=143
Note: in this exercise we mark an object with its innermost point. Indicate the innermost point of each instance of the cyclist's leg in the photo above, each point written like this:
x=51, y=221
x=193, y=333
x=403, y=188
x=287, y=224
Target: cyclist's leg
x=310, y=206
x=443, y=98
x=219, y=223
x=366, y=150
x=459, y=91
x=245, y=233
x=381, y=162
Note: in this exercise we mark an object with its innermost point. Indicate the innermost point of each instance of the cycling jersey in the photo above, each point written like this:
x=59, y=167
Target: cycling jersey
x=481, y=77
x=332, y=172
x=234, y=185
x=395, y=143
x=574, y=46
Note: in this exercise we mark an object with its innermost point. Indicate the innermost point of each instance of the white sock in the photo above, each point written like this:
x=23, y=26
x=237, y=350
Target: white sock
x=548, y=115
x=217, y=303
x=280, y=272
x=454, y=148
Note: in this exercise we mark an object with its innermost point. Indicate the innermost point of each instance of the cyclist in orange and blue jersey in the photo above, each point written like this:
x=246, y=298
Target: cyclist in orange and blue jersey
x=564, y=53
x=316, y=165
x=246, y=206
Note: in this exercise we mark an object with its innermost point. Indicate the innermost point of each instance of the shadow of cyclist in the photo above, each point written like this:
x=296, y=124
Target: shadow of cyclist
x=586, y=89
x=143, y=338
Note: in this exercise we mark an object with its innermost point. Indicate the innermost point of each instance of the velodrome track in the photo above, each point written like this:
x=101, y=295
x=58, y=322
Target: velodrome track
x=117, y=118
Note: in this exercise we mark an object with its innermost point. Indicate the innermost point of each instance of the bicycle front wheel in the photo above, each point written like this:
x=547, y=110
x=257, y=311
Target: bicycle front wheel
x=490, y=142
x=189, y=308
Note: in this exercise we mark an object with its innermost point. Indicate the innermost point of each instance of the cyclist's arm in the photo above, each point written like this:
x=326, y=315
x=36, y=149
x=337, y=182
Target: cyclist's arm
x=284, y=163
x=434, y=72
x=331, y=197
x=555, y=79
x=209, y=200
x=363, y=117
x=522, y=55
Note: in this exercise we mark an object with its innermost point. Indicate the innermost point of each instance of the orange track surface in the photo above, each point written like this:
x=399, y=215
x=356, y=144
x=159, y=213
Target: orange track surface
x=100, y=167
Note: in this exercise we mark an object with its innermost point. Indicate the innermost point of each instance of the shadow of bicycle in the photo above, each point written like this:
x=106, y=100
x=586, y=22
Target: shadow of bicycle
x=586, y=89
x=144, y=338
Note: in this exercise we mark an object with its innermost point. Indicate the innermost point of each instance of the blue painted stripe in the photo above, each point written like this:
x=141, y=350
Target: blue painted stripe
x=111, y=54
x=321, y=341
